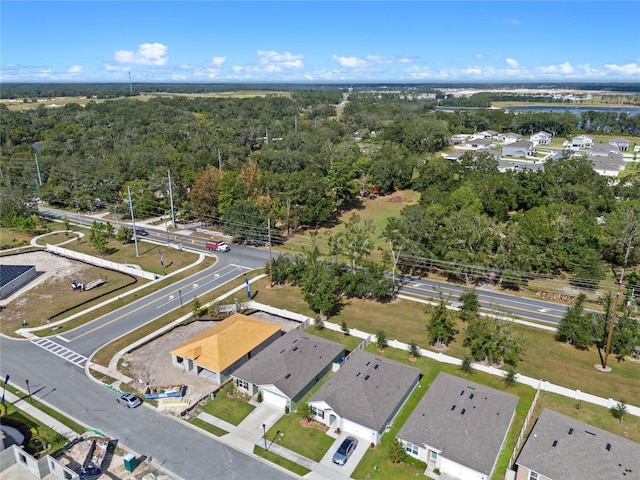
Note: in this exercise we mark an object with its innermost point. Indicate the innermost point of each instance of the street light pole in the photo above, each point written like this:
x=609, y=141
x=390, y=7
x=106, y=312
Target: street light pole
x=29, y=390
x=264, y=429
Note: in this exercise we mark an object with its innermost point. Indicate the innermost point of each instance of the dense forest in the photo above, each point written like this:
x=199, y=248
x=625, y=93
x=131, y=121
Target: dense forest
x=241, y=161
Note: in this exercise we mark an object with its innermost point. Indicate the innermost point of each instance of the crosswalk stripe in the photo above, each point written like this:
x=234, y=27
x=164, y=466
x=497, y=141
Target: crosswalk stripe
x=61, y=351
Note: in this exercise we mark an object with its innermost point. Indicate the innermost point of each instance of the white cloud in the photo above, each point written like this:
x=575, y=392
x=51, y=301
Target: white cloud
x=480, y=55
x=218, y=61
x=75, y=69
x=381, y=60
x=511, y=62
x=562, y=68
x=628, y=69
x=147, y=54
x=512, y=21
x=350, y=62
x=275, y=61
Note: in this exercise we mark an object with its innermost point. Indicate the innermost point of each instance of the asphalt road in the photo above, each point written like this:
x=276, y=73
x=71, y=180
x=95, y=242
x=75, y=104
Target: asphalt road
x=172, y=444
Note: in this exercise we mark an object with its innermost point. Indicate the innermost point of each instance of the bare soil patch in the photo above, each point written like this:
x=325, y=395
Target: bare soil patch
x=51, y=293
x=151, y=363
x=113, y=465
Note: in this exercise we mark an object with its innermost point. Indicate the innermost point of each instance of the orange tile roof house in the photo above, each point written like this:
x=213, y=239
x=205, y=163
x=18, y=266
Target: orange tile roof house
x=220, y=350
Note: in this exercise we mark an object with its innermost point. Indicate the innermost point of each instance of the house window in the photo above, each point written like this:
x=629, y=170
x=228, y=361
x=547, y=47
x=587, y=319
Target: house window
x=316, y=412
x=433, y=456
x=533, y=476
x=411, y=449
x=241, y=384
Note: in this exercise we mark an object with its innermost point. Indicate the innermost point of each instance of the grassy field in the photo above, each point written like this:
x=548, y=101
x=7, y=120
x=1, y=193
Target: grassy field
x=377, y=210
x=227, y=407
x=544, y=358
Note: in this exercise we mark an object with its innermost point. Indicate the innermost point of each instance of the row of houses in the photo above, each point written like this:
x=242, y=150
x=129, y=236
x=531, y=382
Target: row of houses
x=457, y=429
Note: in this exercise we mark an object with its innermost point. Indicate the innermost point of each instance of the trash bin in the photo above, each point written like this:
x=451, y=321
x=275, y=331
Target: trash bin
x=130, y=462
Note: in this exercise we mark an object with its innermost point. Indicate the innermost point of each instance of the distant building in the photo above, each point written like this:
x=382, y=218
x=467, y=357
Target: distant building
x=523, y=148
x=622, y=144
x=541, y=138
x=580, y=142
x=507, y=138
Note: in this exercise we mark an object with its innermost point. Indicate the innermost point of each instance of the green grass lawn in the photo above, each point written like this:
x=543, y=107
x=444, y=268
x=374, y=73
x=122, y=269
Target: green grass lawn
x=308, y=442
x=283, y=462
x=228, y=408
x=217, y=431
x=377, y=210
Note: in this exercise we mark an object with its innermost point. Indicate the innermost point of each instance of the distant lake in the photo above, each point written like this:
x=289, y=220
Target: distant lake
x=631, y=111
x=556, y=108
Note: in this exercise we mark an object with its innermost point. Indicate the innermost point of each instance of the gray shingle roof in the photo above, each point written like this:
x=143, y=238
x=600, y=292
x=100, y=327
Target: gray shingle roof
x=581, y=451
x=8, y=273
x=367, y=389
x=526, y=144
x=291, y=362
x=465, y=420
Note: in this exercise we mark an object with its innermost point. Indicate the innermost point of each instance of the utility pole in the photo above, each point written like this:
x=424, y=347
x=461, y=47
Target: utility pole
x=270, y=256
x=133, y=222
x=38, y=169
x=295, y=124
x=173, y=215
x=78, y=208
x=219, y=160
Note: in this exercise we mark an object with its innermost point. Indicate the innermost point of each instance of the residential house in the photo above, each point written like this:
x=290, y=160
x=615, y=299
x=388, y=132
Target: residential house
x=459, y=428
x=288, y=368
x=541, y=138
x=364, y=395
x=453, y=156
x=610, y=165
x=580, y=142
x=562, y=448
x=488, y=134
x=218, y=351
x=621, y=143
x=509, y=137
x=459, y=138
x=478, y=143
x=16, y=463
x=523, y=148
x=505, y=165
x=602, y=149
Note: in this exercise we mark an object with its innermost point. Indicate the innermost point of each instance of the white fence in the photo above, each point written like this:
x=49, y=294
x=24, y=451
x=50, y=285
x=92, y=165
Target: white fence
x=440, y=357
x=101, y=262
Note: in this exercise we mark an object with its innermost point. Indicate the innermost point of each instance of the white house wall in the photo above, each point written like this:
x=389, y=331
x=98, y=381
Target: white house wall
x=459, y=471
x=360, y=431
x=272, y=396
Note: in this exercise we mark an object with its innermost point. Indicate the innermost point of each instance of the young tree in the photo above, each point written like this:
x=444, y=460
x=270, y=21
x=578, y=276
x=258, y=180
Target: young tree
x=396, y=452
x=509, y=376
x=467, y=365
x=577, y=326
x=470, y=305
x=381, y=340
x=395, y=233
x=414, y=350
x=441, y=328
x=344, y=328
x=492, y=341
x=196, y=307
x=67, y=225
x=98, y=238
x=355, y=242
x=304, y=409
x=124, y=235
x=619, y=410
x=320, y=289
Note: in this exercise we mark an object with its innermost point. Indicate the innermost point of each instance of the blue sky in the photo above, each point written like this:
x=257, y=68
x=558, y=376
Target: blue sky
x=319, y=41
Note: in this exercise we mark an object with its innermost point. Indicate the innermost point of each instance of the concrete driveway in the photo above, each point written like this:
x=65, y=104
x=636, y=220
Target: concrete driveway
x=327, y=469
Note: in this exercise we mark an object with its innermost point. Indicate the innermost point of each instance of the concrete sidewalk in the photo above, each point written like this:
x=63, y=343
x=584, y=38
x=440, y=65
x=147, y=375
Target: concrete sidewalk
x=27, y=407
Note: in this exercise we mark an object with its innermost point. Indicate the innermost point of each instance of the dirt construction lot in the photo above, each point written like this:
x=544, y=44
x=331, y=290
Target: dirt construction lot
x=151, y=363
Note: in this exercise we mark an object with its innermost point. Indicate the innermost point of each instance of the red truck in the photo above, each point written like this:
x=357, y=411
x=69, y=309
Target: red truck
x=216, y=246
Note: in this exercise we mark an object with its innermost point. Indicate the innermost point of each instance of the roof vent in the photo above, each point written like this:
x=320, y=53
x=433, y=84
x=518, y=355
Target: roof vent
x=555, y=442
x=375, y=367
x=571, y=431
x=367, y=377
x=453, y=407
x=282, y=351
x=590, y=433
x=471, y=397
x=287, y=375
x=358, y=374
x=462, y=411
x=367, y=364
x=462, y=392
x=295, y=348
x=608, y=447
